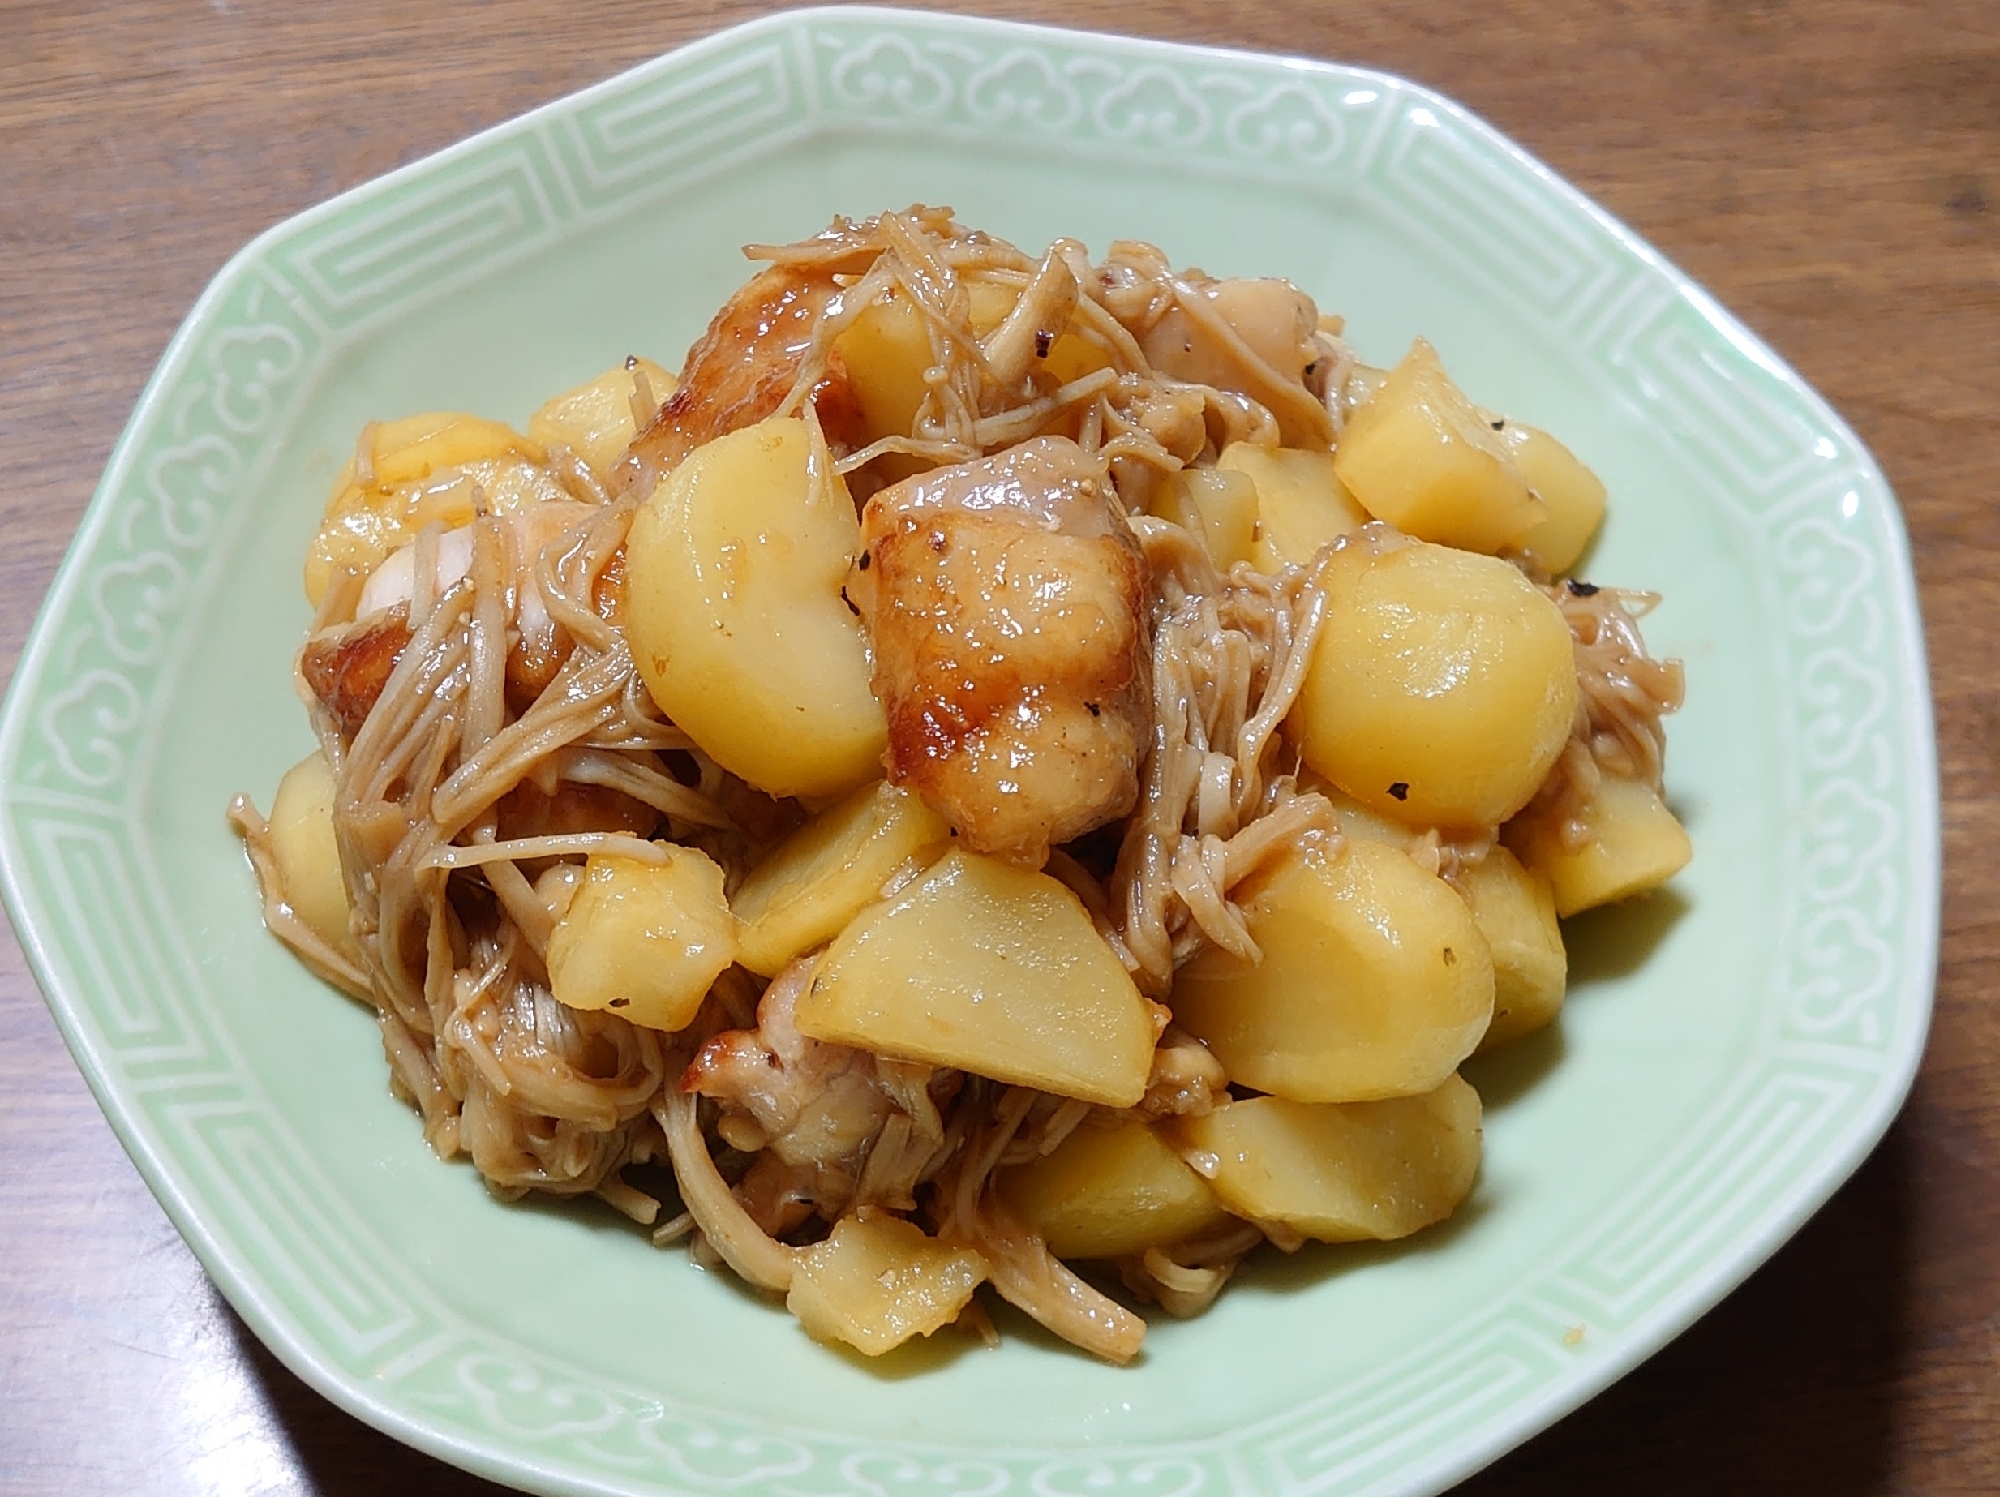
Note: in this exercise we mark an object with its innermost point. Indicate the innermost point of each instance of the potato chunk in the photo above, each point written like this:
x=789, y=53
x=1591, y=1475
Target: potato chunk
x=991, y=969
x=1301, y=504
x=405, y=485
x=1633, y=843
x=1341, y=1172
x=1421, y=456
x=308, y=857
x=1574, y=497
x=734, y=570
x=827, y=871
x=1107, y=1192
x=1356, y=820
x=886, y=351
x=1515, y=910
x=1374, y=982
x=596, y=420
x=1074, y=357
x=1217, y=506
x=877, y=1280
x=1442, y=686
x=644, y=940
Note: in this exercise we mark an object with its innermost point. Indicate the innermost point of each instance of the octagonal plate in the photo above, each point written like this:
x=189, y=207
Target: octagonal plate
x=1731, y=1049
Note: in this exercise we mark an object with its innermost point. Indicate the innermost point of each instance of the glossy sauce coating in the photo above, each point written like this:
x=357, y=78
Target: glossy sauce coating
x=741, y=370
x=1005, y=601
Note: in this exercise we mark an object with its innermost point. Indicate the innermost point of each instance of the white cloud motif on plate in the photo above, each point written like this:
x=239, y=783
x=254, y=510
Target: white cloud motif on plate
x=1844, y=970
x=1145, y=1478
x=188, y=482
x=1850, y=830
x=878, y=1475
x=1845, y=700
x=249, y=364
x=1292, y=120
x=1827, y=569
x=701, y=1453
x=131, y=599
x=519, y=1396
x=1023, y=85
x=1154, y=106
x=83, y=723
x=890, y=69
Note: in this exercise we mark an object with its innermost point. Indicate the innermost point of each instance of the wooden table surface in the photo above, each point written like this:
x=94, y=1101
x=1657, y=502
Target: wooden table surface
x=1829, y=168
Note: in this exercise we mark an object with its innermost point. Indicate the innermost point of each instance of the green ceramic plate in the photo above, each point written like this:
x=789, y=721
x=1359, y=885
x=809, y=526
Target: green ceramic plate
x=1731, y=1049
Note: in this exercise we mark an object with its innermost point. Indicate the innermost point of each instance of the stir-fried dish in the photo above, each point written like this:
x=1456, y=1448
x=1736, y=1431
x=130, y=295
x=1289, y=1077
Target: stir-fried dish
x=1019, y=770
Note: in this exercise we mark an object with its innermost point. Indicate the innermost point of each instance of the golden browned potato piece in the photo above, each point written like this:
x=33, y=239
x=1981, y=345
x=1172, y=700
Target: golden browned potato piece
x=1442, y=687
x=1515, y=909
x=824, y=874
x=1374, y=981
x=1301, y=504
x=398, y=483
x=733, y=573
x=308, y=857
x=990, y=969
x=1343, y=1171
x=1569, y=491
x=1215, y=505
x=886, y=351
x=599, y=418
x=877, y=1280
x=1421, y=456
x=644, y=940
x=1630, y=843
x=1109, y=1192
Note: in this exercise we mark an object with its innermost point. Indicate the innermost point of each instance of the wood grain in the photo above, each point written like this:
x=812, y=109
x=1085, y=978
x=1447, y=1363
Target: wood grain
x=1827, y=167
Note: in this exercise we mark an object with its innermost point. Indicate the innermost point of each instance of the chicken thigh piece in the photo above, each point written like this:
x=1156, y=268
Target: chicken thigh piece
x=740, y=371
x=1005, y=599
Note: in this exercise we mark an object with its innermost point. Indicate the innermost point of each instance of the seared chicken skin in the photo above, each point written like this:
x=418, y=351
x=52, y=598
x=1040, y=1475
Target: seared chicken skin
x=1006, y=602
x=346, y=667
x=741, y=370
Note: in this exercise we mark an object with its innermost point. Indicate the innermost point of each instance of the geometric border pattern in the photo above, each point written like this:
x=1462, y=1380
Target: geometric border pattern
x=1851, y=968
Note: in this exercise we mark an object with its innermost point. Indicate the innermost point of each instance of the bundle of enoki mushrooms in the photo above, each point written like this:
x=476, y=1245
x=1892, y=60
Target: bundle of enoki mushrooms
x=487, y=732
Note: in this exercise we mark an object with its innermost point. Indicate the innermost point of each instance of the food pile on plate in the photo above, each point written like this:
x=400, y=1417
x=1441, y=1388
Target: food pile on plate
x=1009, y=769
